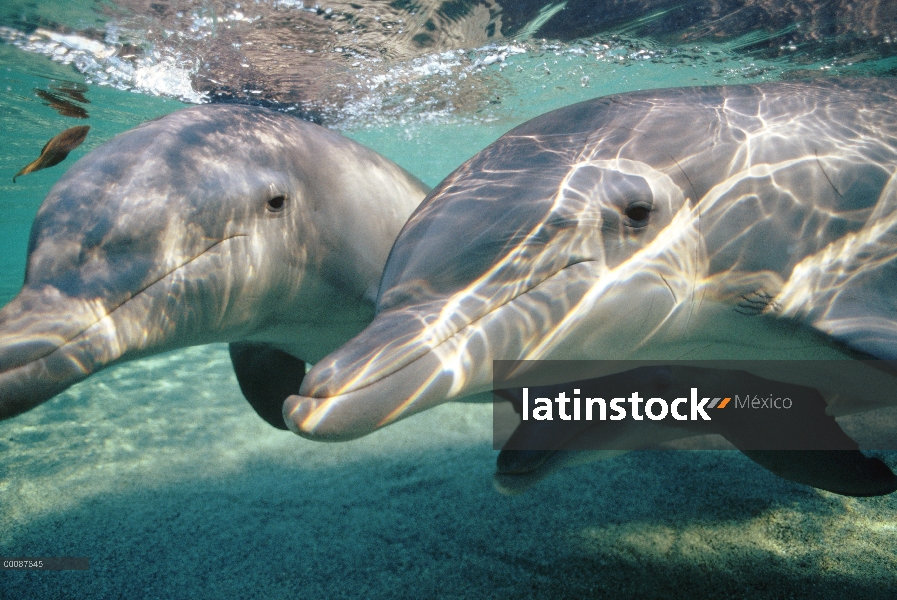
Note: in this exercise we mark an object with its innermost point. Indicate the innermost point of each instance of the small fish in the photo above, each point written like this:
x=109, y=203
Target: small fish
x=55, y=151
x=73, y=90
x=64, y=107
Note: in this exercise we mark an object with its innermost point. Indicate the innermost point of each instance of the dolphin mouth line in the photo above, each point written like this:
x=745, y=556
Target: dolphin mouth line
x=415, y=356
x=123, y=302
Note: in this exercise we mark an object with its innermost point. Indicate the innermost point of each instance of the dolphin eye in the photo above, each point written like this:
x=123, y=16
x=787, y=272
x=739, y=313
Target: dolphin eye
x=638, y=214
x=277, y=203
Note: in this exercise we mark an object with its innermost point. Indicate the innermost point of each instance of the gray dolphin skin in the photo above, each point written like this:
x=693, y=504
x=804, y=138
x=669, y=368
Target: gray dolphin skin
x=216, y=223
x=741, y=222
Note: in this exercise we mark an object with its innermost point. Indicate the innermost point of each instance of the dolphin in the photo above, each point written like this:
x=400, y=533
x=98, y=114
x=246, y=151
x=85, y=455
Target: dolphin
x=733, y=222
x=216, y=223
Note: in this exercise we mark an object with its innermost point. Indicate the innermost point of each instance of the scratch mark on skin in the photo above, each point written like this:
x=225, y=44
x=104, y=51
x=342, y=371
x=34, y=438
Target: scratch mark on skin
x=754, y=305
x=672, y=293
x=684, y=174
x=821, y=168
x=692, y=351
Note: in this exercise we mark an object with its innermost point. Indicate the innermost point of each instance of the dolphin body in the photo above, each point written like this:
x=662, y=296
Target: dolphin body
x=742, y=222
x=217, y=223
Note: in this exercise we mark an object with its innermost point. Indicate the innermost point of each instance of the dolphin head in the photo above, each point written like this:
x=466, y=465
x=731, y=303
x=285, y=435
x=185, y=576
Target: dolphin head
x=497, y=262
x=658, y=225
x=214, y=223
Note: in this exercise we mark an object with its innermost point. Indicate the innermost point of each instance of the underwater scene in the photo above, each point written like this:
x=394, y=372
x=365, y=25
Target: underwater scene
x=231, y=248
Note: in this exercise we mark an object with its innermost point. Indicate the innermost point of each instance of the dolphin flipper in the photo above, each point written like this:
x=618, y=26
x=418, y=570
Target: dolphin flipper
x=266, y=376
x=788, y=443
x=845, y=472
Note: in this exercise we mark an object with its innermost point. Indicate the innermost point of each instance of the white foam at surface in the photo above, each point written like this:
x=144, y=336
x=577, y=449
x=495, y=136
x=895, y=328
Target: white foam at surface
x=153, y=73
x=445, y=87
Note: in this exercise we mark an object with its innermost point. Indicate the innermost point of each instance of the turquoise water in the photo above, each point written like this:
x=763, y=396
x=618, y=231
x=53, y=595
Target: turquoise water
x=25, y=126
x=530, y=80
x=161, y=474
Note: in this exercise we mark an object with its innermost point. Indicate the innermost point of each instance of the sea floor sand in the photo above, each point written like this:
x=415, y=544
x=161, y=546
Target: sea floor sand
x=163, y=476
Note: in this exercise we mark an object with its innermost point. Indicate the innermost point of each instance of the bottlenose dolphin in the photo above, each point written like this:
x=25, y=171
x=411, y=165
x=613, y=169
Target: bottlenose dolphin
x=743, y=222
x=217, y=223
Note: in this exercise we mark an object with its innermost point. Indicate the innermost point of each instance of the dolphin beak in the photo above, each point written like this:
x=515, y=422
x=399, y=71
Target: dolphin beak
x=404, y=362
x=380, y=375
x=51, y=340
x=413, y=358
x=421, y=384
x=48, y=342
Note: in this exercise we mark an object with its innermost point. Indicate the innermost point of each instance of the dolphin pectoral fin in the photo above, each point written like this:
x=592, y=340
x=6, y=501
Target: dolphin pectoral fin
x=845, y=472
x=537, y=449
x=518, y=470
x=806, y=445
x=266, y=376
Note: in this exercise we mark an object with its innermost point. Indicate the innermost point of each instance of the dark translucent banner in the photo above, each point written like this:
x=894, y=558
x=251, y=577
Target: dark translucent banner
x=751, y=405
x=45, y=563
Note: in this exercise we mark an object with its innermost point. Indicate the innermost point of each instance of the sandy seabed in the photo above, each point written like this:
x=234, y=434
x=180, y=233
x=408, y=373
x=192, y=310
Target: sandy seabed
x=162, y=475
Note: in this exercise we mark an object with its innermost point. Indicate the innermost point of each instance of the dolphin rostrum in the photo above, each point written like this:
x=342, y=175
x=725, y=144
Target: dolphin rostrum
x=742, y=222
x=217, y=223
